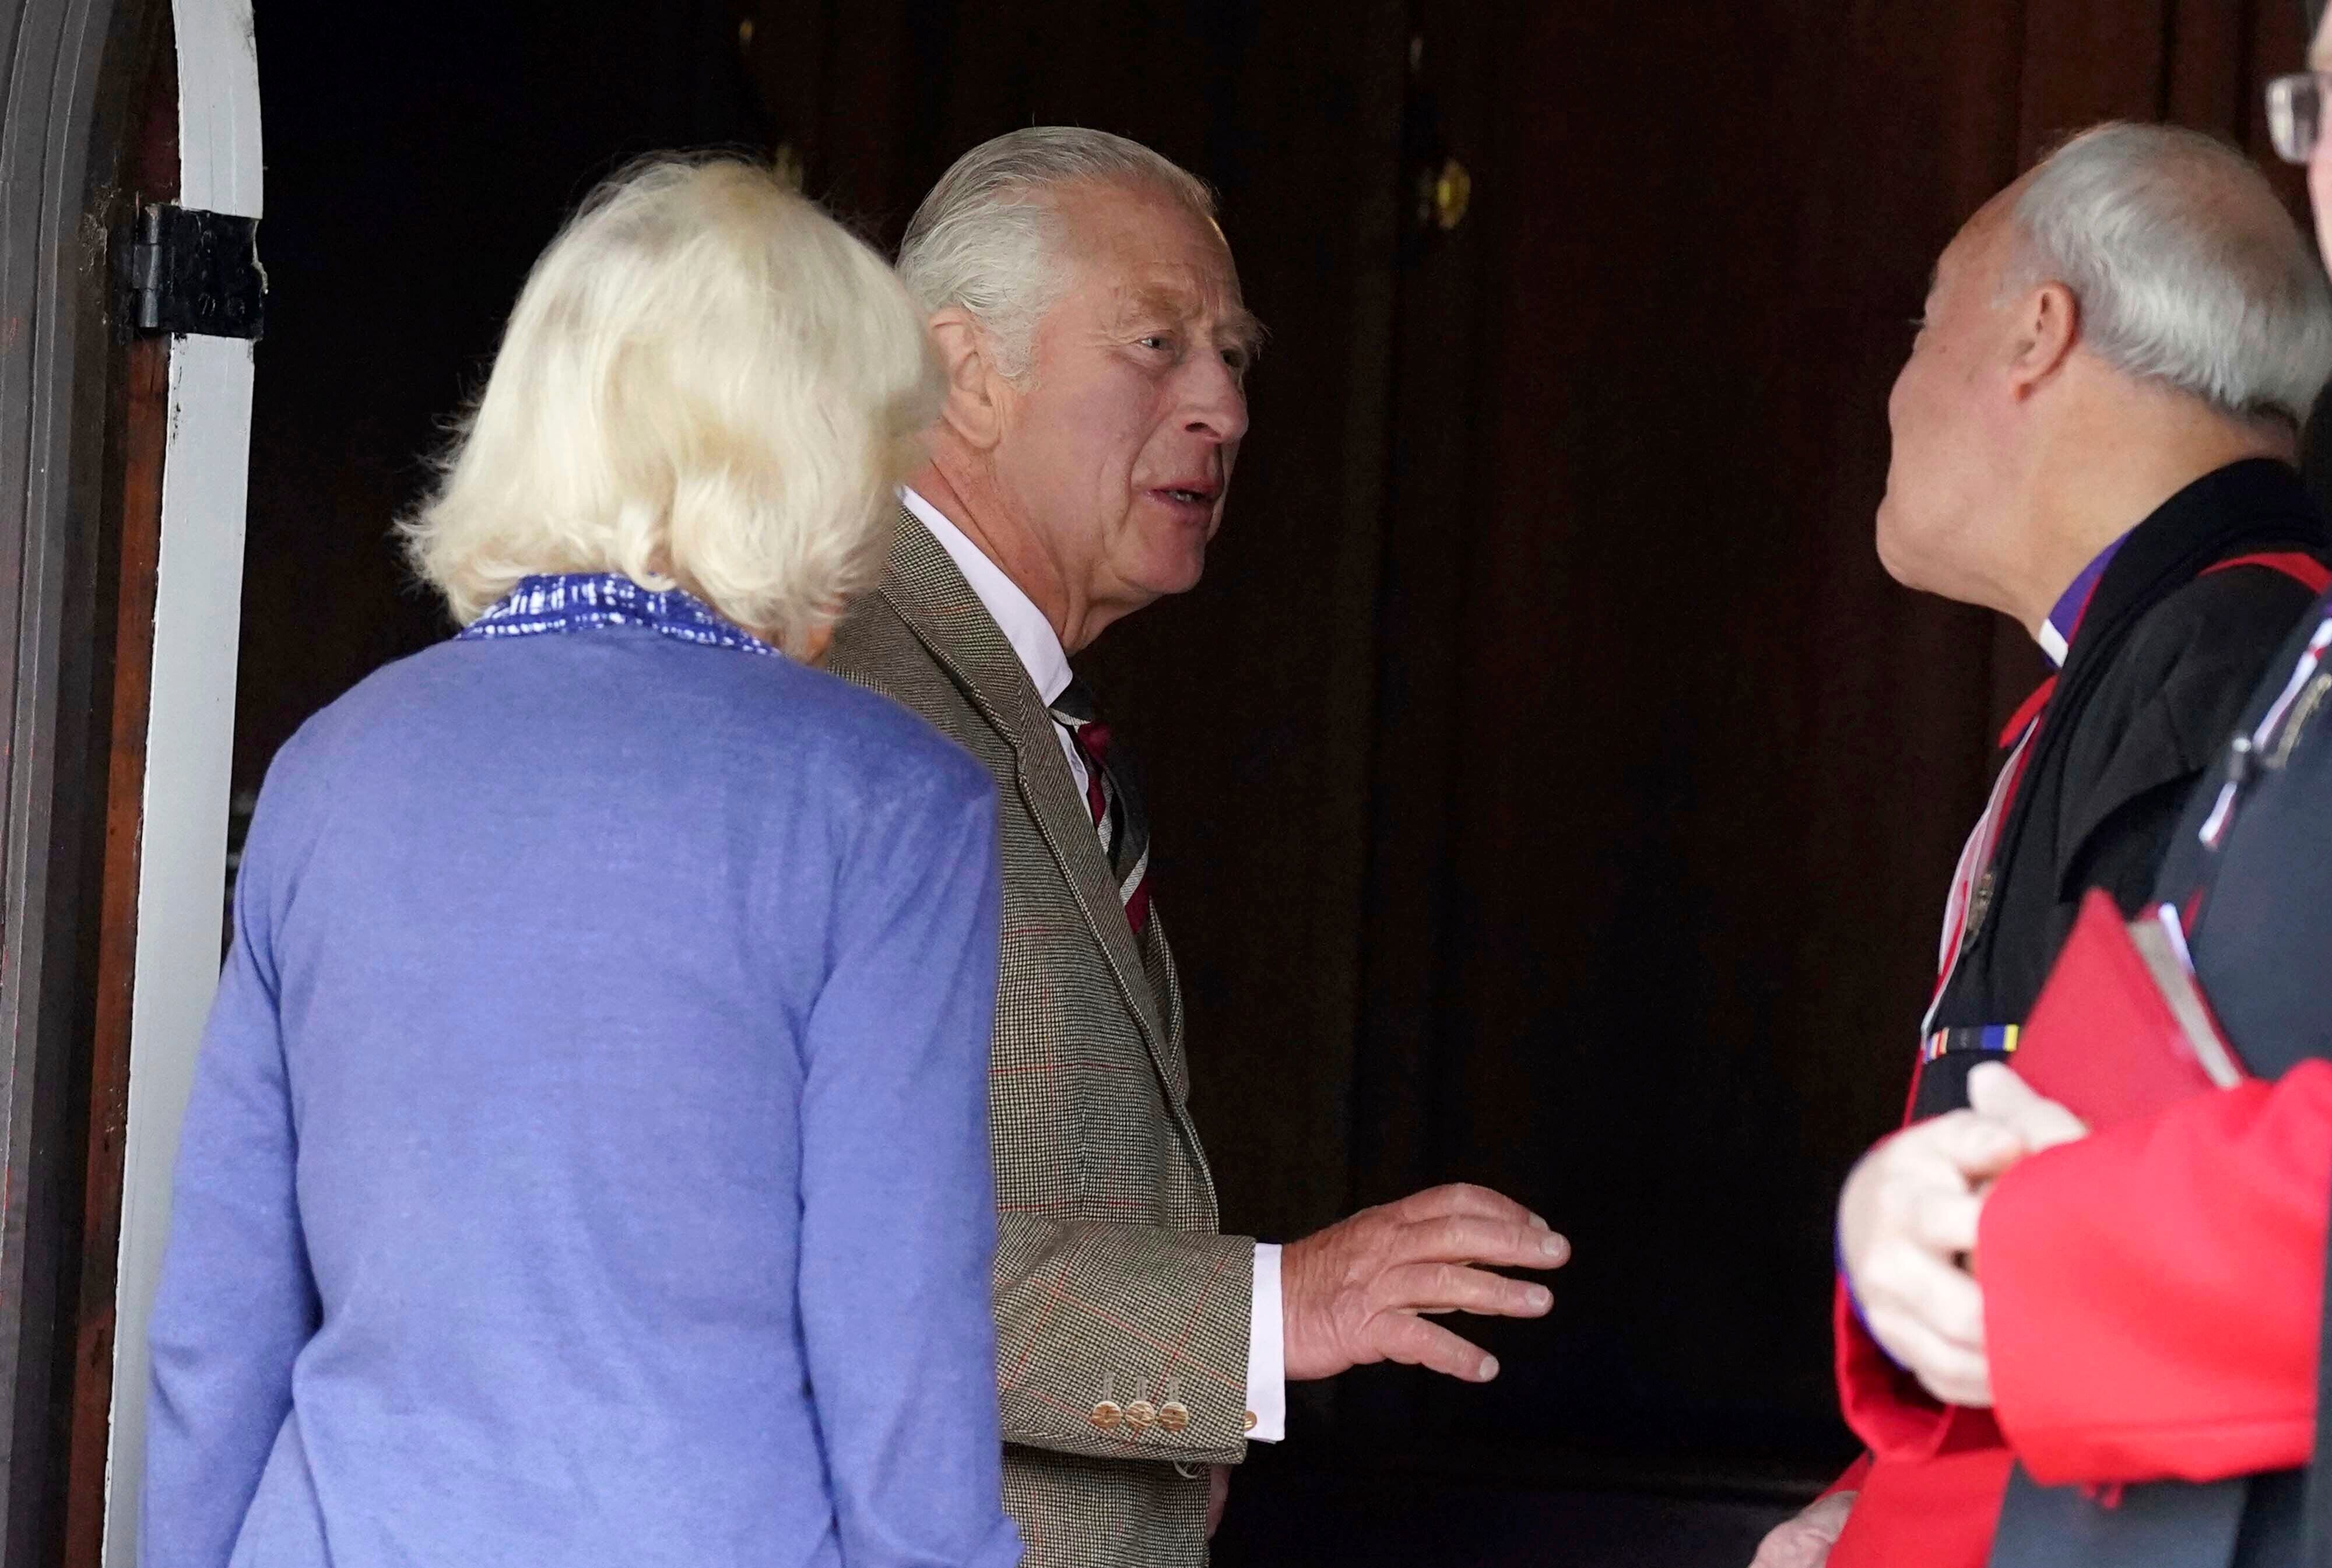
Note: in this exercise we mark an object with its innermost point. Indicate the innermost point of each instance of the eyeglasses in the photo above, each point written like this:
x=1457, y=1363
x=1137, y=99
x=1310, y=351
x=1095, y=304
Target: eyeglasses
x=2294, y=113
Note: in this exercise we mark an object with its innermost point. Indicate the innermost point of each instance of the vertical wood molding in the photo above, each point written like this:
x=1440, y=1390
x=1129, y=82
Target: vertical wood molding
x=145, y=417
x=138, y=439
x=190, y=730
x=69, y=68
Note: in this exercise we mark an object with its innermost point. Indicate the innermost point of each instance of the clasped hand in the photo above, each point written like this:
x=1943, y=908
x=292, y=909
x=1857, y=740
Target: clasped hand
x=1356, y=1292
x=1907, y=1223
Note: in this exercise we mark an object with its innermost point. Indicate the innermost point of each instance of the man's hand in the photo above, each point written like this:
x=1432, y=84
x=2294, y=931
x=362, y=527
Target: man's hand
x=1907, y=1221
x=1352, y=1294
x=1219, y=1492
x=1999, y=1096
x=1804, y=1539
x=1906, y=1218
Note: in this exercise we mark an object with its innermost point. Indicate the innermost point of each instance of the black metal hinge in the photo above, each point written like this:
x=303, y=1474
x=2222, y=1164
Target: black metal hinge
x=191, y=273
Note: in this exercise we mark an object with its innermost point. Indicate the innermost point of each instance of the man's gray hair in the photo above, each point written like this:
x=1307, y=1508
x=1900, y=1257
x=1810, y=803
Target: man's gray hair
x=987, y=240
x=2188, y=267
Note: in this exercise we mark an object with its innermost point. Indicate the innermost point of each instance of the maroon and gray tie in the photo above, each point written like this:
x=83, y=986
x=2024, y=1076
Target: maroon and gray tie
x=1113, y=796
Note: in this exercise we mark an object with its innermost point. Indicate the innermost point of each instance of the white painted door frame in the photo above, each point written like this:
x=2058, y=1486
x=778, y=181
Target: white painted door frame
x=190, y=728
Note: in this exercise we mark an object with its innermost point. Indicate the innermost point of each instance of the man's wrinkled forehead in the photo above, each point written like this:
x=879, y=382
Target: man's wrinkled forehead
x=1155, y=257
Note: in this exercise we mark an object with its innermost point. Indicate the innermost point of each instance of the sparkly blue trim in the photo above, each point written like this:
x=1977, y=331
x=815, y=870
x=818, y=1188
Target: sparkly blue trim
x=578, y=601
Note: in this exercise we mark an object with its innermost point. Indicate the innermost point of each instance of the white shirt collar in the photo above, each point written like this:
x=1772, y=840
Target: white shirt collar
x=1023, y=626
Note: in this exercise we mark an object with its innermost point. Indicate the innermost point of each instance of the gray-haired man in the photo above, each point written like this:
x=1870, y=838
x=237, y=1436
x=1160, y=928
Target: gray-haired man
x=2094, y=435
x=1089, y=315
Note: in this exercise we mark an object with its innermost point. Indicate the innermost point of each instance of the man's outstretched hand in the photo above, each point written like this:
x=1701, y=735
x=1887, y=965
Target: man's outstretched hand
x=1354, y=1293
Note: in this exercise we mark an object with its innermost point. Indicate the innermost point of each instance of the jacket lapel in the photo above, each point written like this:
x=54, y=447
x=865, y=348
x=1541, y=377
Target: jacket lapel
x=947, y=617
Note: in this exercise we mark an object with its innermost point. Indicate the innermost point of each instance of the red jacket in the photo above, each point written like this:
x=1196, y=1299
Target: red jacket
x=2151, y=1300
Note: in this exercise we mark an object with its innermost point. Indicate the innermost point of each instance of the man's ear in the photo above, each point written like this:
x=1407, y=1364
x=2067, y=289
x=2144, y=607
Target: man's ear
x=2048, y=325
x=973, y=409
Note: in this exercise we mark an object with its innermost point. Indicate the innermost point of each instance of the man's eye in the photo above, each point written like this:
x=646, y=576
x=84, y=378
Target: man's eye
x=1159, y=341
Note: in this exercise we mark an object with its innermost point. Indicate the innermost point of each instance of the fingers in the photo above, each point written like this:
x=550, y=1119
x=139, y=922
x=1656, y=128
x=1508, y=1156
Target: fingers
x=1439, y=1287
x=1975, y=1148
x=1804, y=1540
x=1351, y=1294
x=1999, y=1096
x=1952, y=1372
x=1929, y=1316
x=1907, y=1284
x=1463, y=1198
x=1825, y=1517
x=1413, y=1341
x=1463, y=1239
x=1925, y=1186
x=1943, y=1223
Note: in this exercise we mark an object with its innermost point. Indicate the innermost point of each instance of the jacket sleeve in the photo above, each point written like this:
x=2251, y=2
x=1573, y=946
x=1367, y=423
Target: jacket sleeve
x=897, y=1217
x=2152, y=1293
x=1087, y=1312
x=237, y=1300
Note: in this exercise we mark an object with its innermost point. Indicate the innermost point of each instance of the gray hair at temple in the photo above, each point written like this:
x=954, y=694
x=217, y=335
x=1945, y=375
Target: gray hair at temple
x=987, y=240
x=2187, y=267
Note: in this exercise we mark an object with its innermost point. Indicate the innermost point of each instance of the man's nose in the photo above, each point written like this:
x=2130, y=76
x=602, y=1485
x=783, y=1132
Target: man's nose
x=1219, y=406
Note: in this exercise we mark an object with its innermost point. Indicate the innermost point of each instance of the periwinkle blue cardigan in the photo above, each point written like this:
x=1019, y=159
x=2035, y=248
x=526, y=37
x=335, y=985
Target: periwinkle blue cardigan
x=588, y=1161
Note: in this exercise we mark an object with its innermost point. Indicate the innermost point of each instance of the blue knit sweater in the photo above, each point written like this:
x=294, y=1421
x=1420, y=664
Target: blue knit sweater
x=588, y=1161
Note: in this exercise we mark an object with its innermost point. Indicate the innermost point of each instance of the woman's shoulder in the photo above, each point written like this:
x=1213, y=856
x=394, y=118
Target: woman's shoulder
x=875, y=739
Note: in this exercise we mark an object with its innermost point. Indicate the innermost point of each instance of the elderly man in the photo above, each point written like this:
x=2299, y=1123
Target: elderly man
x=1090, y=320
x=2094, y=434
x=2143, y=1312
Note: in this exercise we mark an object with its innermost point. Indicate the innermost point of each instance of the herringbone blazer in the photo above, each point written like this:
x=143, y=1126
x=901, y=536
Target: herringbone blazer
x=1111, y=1286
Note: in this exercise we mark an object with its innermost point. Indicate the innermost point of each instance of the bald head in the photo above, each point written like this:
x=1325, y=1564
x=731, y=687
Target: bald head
x=2186, y=268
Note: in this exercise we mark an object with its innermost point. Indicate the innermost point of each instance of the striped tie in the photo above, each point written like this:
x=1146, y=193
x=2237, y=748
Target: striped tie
x=1114, y=797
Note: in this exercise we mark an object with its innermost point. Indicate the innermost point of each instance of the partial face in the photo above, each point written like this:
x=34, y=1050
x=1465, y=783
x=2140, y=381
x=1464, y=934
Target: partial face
x=1944, y=480
x=1118, y=450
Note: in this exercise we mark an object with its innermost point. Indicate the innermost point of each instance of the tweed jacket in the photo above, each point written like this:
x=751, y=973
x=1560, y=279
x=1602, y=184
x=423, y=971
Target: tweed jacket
x=1111, y=1287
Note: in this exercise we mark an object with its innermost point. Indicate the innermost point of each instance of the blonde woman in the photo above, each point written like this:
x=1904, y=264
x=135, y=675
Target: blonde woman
x=588, y=1162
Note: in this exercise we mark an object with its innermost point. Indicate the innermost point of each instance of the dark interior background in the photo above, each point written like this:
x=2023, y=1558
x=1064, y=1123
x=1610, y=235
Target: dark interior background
x=1550, y=789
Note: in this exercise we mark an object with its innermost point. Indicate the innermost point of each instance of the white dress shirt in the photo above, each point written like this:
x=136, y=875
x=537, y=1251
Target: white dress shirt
x=1038, y=648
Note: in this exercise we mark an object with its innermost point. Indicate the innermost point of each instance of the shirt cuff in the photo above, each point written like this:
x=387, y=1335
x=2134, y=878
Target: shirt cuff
x=1266, y=1353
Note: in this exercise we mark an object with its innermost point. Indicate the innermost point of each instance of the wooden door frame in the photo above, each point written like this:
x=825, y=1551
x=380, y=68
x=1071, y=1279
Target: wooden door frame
x=72, y=68
x=121, y=491
x=189, y=731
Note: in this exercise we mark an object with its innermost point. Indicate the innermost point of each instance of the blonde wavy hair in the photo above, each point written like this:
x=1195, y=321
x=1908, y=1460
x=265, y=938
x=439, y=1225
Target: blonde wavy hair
x=706, y=384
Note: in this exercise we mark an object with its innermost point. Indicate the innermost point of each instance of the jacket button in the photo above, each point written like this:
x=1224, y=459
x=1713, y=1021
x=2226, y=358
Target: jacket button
x=1247, y=1424
x=1173, y=1415
x=1141, y=1415
x=1106, y=1415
